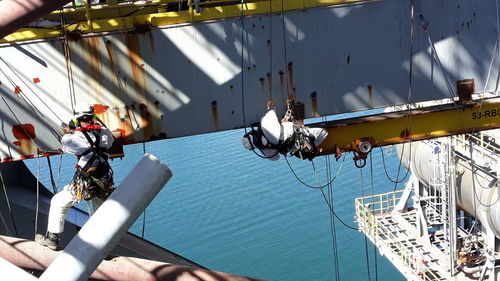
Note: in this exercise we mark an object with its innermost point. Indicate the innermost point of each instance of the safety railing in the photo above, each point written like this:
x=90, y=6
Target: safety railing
x=371, y=211
x=483, y=144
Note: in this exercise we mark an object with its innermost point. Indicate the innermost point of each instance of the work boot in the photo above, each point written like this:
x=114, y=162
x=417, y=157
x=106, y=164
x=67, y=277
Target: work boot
x=50, y=240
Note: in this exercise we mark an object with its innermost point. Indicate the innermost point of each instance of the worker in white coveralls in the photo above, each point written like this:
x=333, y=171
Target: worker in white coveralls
x=93, y=180
x=273, y=138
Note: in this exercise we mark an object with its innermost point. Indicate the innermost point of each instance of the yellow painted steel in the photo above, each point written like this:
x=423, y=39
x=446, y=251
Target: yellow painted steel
x=105, y=25
x=419, y=124
x=155, y=13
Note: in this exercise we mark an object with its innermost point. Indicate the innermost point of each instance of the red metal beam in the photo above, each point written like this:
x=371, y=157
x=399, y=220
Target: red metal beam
x=28, y=254
x=18, y=13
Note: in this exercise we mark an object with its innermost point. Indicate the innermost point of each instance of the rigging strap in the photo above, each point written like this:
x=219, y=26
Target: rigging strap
x=93, y=180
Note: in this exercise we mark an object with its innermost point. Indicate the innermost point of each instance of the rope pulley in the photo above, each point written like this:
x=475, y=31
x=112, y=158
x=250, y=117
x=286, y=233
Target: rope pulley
x=360, y=148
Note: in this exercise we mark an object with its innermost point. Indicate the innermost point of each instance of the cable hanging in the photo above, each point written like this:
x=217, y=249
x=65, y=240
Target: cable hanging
x=8, y=207
x=319, y=186
x=329, y=205
x=366, y=238
x=397, y=180
x=372, y=188
x=333, y=229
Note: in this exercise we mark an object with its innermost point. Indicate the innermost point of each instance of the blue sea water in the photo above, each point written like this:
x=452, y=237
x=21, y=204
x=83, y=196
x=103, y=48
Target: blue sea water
x=231, y=211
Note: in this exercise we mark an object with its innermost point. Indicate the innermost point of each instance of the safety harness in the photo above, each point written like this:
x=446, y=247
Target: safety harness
x=93, y=180
x=301, y=143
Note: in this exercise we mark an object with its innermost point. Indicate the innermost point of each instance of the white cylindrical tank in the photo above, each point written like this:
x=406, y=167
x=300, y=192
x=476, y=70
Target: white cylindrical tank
x=476, y=194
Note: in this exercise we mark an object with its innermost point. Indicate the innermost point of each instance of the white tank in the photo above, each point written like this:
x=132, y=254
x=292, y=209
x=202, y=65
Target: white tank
x=478, y=196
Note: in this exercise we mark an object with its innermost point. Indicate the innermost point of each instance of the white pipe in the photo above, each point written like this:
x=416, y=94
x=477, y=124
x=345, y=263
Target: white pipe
x=12, y=272
x=474, y=194
x=104, y=229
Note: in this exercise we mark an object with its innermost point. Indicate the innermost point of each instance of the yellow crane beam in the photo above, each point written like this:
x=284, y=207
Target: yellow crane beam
x=409, y=125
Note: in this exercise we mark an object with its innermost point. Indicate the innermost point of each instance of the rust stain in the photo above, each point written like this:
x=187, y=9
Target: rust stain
x=314, y=104
x=147, y=126
x=36, y=80
x=24, y=133
x=94, y=59
x=152, y=42
x=215, y=115
x=136, y=64
x=269, y=80
x=157, y=120
x=282, y=82
x=111, y=53
x=112, y=67
x=17, y=90
x=370, y=94
x=405, y=134
x=127, y=120
x=261, y=80
x=290, y=76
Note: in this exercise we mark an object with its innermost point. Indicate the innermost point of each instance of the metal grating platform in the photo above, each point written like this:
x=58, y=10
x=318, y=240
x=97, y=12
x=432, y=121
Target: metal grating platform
x=396, y=236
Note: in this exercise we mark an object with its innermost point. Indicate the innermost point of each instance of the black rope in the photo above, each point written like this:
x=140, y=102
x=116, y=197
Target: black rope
x=241, y=66
x=474, y=179
x=311, y=186
x=335, y=214
x=284, y=46
x=474, y=189
x=366, y=238
x=372, y=188
x=333, y=229
x=8, y=205
x=59, y=172
x=144, y=212
x=270, y=50
x=32, y=91
x=37, y=194
x=19, y=123
x=330, y=206
x=69, y=69
x=397, y=180
x=38, y=114
x=52, y=182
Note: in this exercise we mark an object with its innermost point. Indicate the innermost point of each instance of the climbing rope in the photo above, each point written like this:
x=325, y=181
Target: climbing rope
x=37, y=113
x=31, y=90
x=144, y=212
x=52, y=182
x=37, y=192
x=366, y=238
x=312, y=186
x=69, y=69
x=372, y=188
x=471, y=154
x=397, y=180
x=270, y=74
x=8, y=207
x=19, y=123
x=242, y=61
x=329, y=205
x=333, y=229
x=284, y=46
